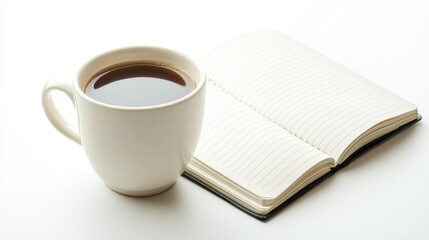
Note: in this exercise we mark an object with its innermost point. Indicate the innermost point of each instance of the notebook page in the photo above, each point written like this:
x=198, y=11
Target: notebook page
x=307, y=94
x=248, y=149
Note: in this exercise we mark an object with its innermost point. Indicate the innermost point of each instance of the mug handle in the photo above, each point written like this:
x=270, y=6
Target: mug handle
x=54, y=115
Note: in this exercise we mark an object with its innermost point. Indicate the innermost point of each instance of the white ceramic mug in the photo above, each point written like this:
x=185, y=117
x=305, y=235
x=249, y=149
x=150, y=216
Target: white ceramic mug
x=137, y=151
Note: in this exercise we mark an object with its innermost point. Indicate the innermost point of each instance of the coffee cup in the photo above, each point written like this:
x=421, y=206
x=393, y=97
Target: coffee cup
x=137, y=137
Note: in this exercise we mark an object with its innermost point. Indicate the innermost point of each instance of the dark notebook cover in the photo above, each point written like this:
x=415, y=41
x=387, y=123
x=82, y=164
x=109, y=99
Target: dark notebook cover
x=350, y=159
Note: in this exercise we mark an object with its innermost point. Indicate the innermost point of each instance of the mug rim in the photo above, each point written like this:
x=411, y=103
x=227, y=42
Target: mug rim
x=199, y=85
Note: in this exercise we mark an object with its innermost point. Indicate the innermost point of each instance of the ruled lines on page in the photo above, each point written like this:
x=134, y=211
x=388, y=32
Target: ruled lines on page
x=249, y=149
x=307, y=94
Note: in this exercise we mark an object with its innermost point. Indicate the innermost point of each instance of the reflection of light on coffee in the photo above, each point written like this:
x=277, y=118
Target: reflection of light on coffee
x=139, y=85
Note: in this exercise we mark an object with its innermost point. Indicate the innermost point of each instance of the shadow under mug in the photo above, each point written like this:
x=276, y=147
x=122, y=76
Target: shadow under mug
x=137, y=151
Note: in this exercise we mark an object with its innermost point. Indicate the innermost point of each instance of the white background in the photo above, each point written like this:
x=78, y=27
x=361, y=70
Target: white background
x=49, y=191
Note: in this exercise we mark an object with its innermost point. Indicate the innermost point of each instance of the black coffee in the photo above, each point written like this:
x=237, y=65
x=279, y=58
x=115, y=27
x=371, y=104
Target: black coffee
x=139, y=85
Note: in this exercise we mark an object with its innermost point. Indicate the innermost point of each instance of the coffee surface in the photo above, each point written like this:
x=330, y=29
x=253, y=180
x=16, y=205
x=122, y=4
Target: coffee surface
x=139, y=85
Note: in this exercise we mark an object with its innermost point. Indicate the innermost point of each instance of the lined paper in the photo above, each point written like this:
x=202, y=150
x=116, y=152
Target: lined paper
x=306, y=94
x=250, y=150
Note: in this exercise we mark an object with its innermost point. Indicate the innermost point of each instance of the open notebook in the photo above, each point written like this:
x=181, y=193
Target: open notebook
x=280, y=117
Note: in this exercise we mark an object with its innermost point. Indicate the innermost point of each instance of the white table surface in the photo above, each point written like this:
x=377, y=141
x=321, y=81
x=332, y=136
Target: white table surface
x=49, y=191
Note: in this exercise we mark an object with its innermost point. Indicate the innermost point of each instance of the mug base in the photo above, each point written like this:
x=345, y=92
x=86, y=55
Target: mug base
x=144, y=193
